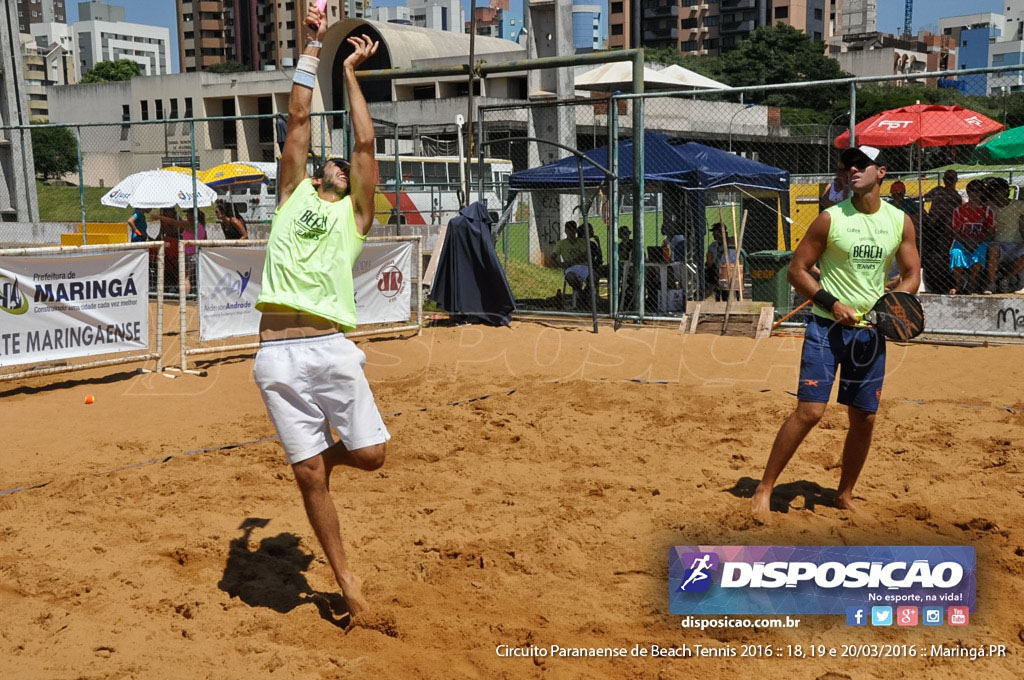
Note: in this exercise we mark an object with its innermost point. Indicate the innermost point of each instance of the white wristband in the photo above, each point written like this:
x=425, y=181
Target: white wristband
x=314, y=43
x=308, y=64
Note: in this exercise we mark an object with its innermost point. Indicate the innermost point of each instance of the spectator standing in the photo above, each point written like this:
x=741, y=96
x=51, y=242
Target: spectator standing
x=936, y=236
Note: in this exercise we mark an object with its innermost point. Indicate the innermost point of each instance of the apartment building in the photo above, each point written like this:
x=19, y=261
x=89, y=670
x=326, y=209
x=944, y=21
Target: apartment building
x=261, y=34
x=40, y=12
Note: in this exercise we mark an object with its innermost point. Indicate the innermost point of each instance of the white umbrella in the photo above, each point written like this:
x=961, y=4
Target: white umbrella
x=692, y=79
x=619, y=76
x=158, y=189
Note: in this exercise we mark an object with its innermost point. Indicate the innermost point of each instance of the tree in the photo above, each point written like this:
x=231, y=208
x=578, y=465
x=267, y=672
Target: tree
x=229, y=66
x=782, y=54
x=55, y=151
x=112, y=71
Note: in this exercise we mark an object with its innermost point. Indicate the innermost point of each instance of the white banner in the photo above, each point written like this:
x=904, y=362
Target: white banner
x=383, y=283
x=62, y=307
x=229, y=283
x=230, y=280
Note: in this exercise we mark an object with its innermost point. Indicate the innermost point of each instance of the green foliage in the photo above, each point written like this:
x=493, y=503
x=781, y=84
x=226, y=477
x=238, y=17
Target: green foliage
x=55, y=151
x=229, y=66
x=112, y=71
x=782, y=54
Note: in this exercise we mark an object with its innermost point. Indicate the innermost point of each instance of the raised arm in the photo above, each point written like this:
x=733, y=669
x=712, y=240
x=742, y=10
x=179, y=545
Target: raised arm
x=296, y=141
x=363, y=170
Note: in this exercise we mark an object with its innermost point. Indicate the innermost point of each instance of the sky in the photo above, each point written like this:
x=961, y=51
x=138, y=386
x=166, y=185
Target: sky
x=928, y=12
x=151, y=12
x=890, y=14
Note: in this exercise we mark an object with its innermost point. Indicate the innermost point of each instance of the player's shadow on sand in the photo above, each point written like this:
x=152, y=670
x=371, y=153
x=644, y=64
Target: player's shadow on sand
x=272, y=575
x=783, y=494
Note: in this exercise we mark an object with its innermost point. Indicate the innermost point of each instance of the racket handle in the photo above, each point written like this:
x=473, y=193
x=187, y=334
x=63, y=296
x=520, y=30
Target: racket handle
x=322, y=6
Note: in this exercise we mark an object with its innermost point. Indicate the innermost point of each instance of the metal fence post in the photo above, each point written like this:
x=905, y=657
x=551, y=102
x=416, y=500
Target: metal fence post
x=638, y=180
x=853, y=115
x=614, y=283
x=81, y=179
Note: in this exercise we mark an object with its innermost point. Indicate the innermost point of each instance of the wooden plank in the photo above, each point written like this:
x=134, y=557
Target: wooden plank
x=715, y=307
x=764, y=322
x=696, y=318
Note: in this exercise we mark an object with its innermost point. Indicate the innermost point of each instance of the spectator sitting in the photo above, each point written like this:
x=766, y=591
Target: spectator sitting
x=898, y=198
x=1006, y=247
x=973, y=226
x=570, y=254
x=838, y=190
x=231, y=223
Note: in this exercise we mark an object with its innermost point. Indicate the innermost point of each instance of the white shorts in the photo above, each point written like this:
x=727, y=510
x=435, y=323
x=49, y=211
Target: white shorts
x=312, y=384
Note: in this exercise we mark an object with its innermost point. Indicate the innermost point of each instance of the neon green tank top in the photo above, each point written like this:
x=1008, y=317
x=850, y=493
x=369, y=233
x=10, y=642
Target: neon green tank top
x=312, y=248
x=858, y=254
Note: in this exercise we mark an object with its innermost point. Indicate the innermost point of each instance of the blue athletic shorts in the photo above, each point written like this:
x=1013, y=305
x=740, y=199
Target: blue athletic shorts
x=857, y=354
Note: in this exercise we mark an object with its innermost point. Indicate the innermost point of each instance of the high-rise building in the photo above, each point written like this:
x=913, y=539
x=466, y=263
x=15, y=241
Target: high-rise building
x=439, y=15
x=494, y=19
x=261, y=34
x=859, y=16
x=102, y=34
x=49, y=58
x=40, y=12
x=714, y=26
x=586, y=25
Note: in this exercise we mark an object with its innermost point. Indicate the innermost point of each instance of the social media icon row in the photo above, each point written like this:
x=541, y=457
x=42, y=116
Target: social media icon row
x=906, y=616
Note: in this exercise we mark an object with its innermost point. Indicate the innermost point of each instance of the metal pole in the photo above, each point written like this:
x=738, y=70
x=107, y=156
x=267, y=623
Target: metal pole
x=323, y=136
x=480, y=160
x=638, y=179
x=469, y=97
x=81, y=179
x=398, y=184
x=853, y=114
x=613, y=232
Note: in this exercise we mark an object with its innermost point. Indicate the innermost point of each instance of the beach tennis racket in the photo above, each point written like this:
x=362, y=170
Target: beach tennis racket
x=897, y=316
x=322, y=6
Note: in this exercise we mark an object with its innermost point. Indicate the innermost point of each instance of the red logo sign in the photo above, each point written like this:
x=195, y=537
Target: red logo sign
x=390, y=281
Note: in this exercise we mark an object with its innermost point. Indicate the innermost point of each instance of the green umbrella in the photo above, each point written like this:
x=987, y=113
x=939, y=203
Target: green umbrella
x=1006, y=146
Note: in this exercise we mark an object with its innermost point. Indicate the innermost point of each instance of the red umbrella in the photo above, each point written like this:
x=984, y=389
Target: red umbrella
x=924, y=125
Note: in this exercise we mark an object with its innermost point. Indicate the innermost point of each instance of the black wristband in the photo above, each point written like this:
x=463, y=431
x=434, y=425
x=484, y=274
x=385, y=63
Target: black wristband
x=825, y=299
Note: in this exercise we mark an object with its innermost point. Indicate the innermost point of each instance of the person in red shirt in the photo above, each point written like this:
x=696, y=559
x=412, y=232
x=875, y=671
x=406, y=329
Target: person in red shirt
x=973, y=227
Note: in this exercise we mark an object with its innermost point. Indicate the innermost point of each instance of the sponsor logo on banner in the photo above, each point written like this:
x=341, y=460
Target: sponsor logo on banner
x=11, y=299
x=390, y=281
x=381, y=277
x=74, y=306
x=818, y=579
x=229, y=281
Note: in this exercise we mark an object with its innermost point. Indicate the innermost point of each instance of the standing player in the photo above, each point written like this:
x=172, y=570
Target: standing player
x=855, y=241
x=309, y=373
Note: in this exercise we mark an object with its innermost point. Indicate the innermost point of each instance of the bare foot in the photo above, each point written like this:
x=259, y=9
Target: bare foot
x=760, y=504
x=352, y=589
x=845, y=502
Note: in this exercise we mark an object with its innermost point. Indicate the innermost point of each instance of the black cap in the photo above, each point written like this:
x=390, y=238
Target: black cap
x=873, y=155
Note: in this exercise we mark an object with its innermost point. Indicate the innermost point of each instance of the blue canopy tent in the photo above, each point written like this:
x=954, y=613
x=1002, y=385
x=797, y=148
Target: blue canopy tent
x=684, y=173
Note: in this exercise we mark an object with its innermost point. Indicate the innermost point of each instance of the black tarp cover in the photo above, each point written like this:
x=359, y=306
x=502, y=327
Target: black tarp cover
x=470, y=280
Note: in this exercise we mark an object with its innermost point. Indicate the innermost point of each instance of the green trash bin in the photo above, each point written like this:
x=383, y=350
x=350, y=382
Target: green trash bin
x=768, y=272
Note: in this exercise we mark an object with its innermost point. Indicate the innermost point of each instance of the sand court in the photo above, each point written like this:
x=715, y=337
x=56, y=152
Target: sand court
x=536, y=479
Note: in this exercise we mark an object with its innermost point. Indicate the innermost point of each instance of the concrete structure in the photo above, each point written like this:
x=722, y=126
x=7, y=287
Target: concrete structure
x=104, y=35
x=877, y=54
x=712, y=28
x=18, y=202
x=973, y=34
x=261, y=34
x=859, y=16
x=40, y=12
x=1005, y=53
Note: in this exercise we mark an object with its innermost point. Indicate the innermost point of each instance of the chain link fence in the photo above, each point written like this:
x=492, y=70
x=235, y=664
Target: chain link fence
x=732, y=180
